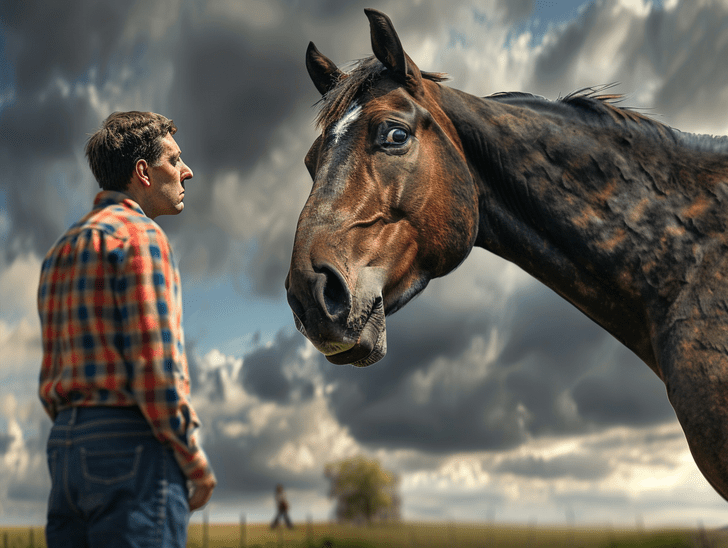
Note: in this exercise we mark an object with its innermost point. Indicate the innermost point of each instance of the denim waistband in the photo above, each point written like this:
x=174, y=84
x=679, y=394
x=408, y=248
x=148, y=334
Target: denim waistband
x=80, y=422
x=81, y=415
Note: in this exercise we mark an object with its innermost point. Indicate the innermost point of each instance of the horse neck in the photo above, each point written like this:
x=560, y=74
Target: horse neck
x=588, y=205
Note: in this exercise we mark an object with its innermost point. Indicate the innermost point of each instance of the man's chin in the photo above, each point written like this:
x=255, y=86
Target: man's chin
x=174, y=210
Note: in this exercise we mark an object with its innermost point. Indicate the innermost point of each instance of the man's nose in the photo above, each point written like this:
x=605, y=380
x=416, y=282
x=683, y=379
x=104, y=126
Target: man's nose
x=186, y=172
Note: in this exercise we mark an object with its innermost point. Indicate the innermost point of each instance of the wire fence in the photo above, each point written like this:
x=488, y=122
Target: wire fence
x=415, y=535
x=449, y=535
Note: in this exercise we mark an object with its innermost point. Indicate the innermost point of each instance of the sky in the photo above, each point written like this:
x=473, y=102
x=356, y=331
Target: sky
x=497, y=400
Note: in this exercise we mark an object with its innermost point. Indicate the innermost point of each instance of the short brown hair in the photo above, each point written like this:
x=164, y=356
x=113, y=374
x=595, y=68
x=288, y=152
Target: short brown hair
x=124, y=139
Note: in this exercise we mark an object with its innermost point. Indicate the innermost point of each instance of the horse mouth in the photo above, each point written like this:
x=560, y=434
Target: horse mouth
x=368, y=348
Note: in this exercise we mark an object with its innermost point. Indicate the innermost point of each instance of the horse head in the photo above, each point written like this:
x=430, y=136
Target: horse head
x=393, y=203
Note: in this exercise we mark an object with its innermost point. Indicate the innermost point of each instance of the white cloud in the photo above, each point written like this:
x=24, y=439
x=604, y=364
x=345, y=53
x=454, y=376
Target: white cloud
x=453, y=379
x=320, y=440
x=634, y=468
x=483, y=281
x=639, y=8
x=296, y=438
x=20, y=351
x=475, y=51
x=19, y=286
x=25, y=481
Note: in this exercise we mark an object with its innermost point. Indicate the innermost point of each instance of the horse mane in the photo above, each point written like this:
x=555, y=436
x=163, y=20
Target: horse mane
x=607, y=104
x=592, y=103
x=595, y=106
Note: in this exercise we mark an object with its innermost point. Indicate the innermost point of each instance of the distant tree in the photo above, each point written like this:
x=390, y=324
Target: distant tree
x=363, y=490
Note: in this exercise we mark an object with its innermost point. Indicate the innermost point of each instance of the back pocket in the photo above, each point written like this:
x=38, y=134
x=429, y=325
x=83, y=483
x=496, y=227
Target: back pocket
x=110, y=467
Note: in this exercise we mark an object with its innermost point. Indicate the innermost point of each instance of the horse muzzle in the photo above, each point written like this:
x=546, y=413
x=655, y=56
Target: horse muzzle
x=347, y=327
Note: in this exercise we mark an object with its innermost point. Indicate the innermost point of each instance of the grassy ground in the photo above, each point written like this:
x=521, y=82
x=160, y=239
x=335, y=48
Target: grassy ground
x=413, y=535
x=446, y=536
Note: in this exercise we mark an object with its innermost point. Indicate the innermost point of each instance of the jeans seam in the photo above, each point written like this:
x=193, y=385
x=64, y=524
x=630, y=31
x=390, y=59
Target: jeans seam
x=104, y=435
x=164, y=493
x=99, y=422
x=66, y=487
x=107, y=435
x=104, y=422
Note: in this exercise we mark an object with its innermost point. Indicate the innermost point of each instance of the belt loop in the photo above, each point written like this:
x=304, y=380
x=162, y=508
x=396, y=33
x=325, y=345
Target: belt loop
x=72, y=420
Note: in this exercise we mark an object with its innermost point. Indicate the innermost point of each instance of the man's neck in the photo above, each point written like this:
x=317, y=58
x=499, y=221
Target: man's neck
x=139, y=199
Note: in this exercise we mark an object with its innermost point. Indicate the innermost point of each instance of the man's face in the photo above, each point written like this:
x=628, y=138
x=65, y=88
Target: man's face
x=168, y=180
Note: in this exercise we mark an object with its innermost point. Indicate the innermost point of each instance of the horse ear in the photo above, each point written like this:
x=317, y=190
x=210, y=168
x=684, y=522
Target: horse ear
x=388, y=49
x=321, y=69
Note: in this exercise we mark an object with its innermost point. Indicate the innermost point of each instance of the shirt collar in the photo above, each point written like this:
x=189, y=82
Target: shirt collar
x=110, y=197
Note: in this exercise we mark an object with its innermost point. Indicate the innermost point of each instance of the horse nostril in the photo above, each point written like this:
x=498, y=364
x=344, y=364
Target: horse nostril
x=336, y=297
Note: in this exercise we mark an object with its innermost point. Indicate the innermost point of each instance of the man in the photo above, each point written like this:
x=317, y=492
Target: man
x=281, y=508
x=125, y=464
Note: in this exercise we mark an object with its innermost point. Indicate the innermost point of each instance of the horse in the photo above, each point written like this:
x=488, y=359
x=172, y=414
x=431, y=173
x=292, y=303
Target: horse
x=619, y=214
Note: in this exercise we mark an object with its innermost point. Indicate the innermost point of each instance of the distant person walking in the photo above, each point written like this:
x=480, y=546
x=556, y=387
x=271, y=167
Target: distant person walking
x=281, y=508
x=126, y=468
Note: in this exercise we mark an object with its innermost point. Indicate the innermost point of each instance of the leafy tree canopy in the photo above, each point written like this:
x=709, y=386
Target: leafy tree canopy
x=363, y=490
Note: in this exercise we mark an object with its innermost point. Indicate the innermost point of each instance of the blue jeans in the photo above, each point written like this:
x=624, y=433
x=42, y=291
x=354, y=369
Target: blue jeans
x=112, y=483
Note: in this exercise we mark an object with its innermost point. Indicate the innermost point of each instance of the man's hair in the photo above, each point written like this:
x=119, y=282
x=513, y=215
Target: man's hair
x=124, y=139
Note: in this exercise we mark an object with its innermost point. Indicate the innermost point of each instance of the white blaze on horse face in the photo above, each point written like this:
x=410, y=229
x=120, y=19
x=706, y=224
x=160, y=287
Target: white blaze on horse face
x=349, y=118
x=333, y=173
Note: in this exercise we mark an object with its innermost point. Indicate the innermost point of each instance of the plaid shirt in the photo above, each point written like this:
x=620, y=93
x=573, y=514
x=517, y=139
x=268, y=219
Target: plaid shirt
x=110, y=307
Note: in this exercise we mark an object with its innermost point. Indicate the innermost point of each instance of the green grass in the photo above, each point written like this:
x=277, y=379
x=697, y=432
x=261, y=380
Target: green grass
x=418, y=535
x=22, y=537
x=415, y=535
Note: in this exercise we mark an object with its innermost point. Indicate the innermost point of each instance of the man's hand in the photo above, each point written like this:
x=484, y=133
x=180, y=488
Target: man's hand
x=200, y=494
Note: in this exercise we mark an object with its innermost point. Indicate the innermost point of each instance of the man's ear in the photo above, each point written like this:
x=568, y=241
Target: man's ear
x=141, y=172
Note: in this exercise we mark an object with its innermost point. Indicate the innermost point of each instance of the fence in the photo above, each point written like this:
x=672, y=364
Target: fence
x=412, y=535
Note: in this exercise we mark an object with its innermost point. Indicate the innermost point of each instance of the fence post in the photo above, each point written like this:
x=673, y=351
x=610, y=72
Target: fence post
x=702, y=539
x=205, y=529
x=570, y=537
x=243, y=531
x=32, y=538
x=532, y=531
x=309, y=530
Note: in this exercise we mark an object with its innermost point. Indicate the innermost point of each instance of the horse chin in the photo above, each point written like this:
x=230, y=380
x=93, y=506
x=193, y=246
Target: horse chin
x=362, y=339
x=372, y=344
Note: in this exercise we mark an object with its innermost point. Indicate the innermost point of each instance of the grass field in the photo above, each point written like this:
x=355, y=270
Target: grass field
x=406, y=535
x=446, y=536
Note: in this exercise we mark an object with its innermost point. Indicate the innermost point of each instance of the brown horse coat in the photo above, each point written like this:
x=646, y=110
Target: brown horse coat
x=621, y=215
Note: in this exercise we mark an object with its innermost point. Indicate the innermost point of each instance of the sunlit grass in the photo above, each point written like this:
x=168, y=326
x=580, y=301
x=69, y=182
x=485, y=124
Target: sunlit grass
x=445, y=536
x=411, y=535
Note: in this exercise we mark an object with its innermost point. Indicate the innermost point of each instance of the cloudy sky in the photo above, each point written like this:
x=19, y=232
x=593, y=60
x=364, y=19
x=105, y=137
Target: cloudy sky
x=497, y=400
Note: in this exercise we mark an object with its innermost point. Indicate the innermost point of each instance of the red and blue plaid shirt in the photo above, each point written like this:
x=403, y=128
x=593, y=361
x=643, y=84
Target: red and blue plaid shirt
x=110, y=307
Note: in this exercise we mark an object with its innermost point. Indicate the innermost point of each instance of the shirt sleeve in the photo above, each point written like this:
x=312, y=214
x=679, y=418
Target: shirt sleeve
x=150, y=302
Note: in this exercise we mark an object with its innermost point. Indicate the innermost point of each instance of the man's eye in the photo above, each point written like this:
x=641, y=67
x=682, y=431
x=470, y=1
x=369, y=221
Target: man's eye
x=397, y=136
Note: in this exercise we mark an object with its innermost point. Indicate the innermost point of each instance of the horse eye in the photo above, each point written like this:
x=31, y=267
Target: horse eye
x=397, y=136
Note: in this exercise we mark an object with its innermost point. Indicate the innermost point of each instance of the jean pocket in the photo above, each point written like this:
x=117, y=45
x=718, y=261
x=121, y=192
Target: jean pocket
x=109, y=467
